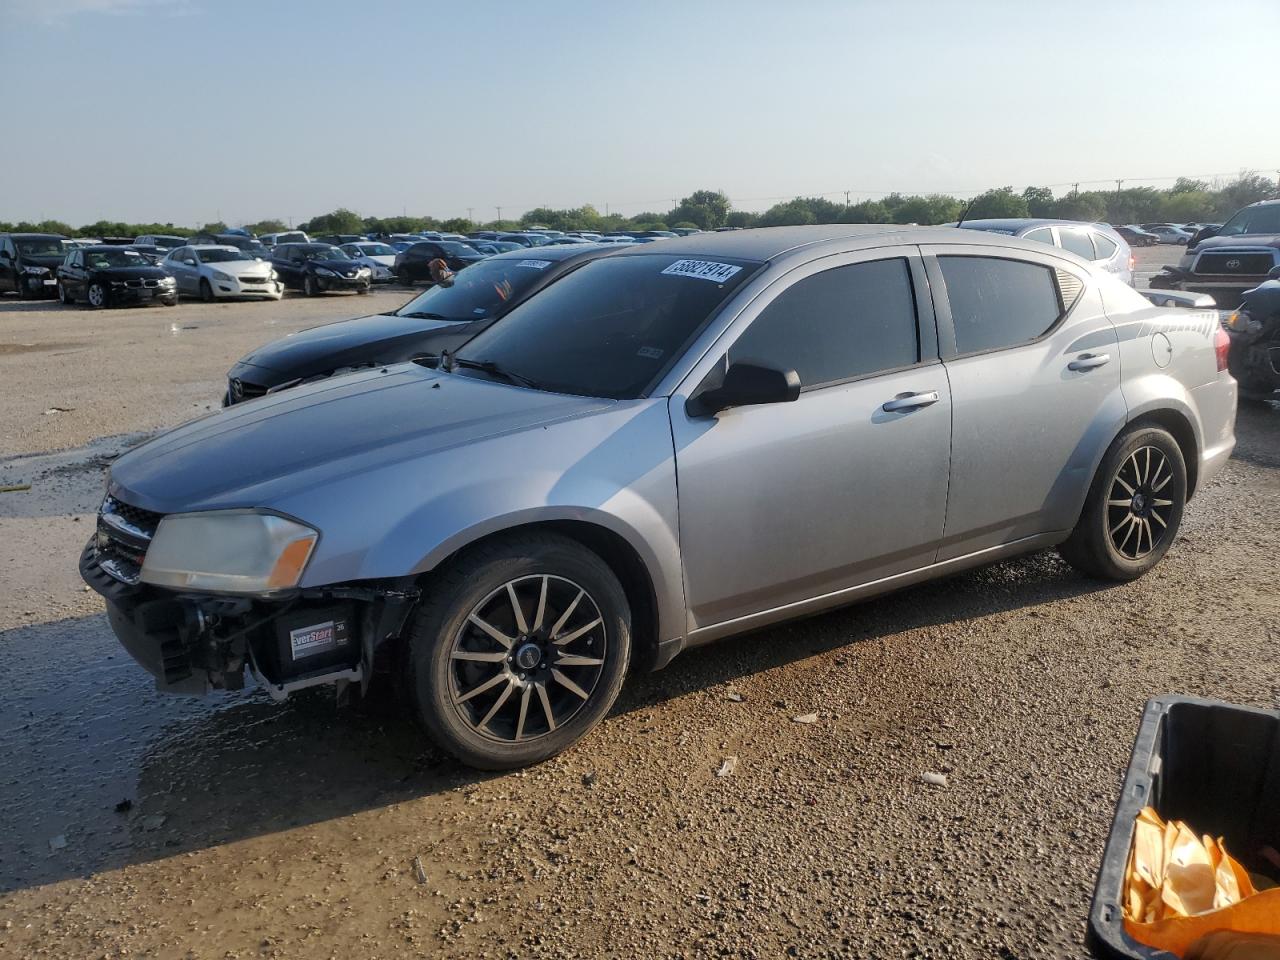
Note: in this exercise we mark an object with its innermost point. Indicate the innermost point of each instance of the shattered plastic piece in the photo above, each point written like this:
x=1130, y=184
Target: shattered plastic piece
x=733, y=695
x=730, y=764
x=15, y=488
x=934, y=779
x=58, y=842
x=806, y=718
x=154, y=822
x=419, y=871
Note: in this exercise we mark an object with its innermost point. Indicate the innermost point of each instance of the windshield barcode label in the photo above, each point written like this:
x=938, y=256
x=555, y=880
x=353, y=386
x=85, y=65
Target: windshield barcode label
x=535, y=264
x=702, y=270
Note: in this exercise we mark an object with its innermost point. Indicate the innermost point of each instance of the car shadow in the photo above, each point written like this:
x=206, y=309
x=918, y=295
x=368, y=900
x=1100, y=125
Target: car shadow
x=110, y=773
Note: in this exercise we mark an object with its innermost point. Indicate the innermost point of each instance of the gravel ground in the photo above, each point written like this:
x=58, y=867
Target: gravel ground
x=250, y=829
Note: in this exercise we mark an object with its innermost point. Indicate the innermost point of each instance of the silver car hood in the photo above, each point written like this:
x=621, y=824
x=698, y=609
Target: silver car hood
x=252, y=453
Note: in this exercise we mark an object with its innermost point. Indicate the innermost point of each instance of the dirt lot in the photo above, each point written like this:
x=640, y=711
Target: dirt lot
x=248, y=829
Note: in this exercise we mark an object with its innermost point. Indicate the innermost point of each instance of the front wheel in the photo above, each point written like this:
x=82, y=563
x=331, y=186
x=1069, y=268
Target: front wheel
x=1134, y=507
x=206, y=290
x=63, y=297
x=309, y=286
x=362, y=290
x=97, y=295
x=518, y=650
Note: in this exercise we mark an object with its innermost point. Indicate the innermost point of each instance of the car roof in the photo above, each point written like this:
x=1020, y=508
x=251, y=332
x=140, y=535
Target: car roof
x=214, y=246
x=560, y=251
x=768, y=243
x=40, y=236
x=111, y=246
x=1022, y=223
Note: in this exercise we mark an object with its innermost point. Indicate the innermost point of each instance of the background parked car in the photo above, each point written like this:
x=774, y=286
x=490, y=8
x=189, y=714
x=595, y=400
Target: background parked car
x=270, y=240
x=214, y=272
x=525, y=239
x=441, y=318
x=248, y=244
x=1226, y=261
x=316, y=268
x=411, y=265
x=163, y=242
x=378, y=257
x=1168, y=233
x=1095, y=242
x=1136, y=236
x=338, y=239
x=107, y=276
x=28, y=262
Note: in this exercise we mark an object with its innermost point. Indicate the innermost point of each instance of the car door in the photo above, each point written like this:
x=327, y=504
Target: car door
x=71, y=274
x=184, y=274
x=786, y=502
x=1035, y=388
x=8, y=265
x=282, y=260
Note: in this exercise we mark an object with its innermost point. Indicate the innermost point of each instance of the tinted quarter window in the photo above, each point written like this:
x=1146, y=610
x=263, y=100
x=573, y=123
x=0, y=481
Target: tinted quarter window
x=1040, y=235
x=842, y=323
x=1077, y=241
x=1105, y=246
x=998, y=303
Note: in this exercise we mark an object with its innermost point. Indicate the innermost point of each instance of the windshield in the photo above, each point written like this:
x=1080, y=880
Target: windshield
x=612, y=327
x=324, y=253
x=455, y=249
x=39, y=246
x=222, y=256
x=104, y=259
x=1253, y=220
x=480, y=291
x=376, y=250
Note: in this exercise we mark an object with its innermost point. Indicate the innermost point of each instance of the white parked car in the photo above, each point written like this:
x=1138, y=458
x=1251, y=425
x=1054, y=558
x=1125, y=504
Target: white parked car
x=288, y=236
x=378, y=257
x=1168, y=233
x=211, y=272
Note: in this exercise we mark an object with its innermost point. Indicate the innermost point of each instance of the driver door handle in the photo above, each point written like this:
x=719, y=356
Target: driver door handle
x=1087, y=361
x=910, y=401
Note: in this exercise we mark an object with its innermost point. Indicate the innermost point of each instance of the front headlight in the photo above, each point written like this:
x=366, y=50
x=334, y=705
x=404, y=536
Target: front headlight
x=363, y=272
x=219, y=275
x=228, y=551
x=167, y=281
x=325, y=272
x=36, y=271
x=274, y=275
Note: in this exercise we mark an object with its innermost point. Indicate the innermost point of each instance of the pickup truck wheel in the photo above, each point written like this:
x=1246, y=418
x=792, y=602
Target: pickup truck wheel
x=519, y=648
x=1134, y=507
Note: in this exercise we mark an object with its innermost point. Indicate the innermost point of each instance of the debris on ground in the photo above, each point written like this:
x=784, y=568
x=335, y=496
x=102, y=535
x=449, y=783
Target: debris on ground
x=124, y=806
x=589, y=778
x=15, y=488
x=52, y=410
x=730, y=764
x=934, y=779
x=419, y=871
x=58, y=842
x=734, y=696
x=806, y=718
x=154, y=822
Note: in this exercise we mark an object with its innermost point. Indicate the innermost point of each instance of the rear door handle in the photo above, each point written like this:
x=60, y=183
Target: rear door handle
x=1087, y=361
x=909, y=401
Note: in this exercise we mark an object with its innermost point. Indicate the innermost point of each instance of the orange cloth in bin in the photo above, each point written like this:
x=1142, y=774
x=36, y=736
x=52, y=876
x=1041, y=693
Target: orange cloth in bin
x=1179, y=887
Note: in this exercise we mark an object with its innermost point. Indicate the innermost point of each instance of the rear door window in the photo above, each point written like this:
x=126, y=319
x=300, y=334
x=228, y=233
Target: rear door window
x=998, y=303
x=839, y=324
x=1076, y=241
x=1040, y=235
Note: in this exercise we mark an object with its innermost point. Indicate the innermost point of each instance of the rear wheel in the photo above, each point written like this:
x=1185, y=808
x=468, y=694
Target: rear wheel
x=1134, y=507
x=206, y=290
x=519, y=649
x=97, y=295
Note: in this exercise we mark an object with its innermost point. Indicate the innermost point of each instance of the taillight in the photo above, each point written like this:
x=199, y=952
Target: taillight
x=1221, y=347
x=1133, y=262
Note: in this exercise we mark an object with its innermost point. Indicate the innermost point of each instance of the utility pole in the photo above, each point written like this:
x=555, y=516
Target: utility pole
x=1118, y=182
x=846, y=198
x=606, y=208
x=499, y=209
x=469, y=217
x=1075, y=188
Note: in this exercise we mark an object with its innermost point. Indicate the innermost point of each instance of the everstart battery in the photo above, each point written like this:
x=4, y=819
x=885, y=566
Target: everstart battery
x=313, y=639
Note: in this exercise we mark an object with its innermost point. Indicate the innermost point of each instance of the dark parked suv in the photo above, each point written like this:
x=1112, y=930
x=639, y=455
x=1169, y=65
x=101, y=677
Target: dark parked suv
x=1226, y=261
x=29, y=261
x=413, y=264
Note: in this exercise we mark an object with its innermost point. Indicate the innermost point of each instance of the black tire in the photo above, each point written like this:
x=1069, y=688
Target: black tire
x=169, y=301
x=309, y=286
x=362, y=290
x=19, y=287
x=1102, y=544
x=63, y=297
x=206, y=290
x=97, y=296
x=532, y=700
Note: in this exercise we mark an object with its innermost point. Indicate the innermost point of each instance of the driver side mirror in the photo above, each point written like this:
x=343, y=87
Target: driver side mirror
x=1274, y=273
x=189, y=262
x=745, y=384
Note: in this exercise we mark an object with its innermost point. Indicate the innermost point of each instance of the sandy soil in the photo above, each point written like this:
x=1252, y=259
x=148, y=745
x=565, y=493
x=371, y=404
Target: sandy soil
x=249, y=829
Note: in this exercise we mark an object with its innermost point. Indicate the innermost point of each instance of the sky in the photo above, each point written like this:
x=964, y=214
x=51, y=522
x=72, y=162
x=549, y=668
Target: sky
x=189, y=111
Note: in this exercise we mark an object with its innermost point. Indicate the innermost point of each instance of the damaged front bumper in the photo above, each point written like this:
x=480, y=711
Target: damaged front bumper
x=193, y=643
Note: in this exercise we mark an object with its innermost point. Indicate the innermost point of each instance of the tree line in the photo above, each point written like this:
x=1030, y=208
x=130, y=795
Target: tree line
x=1188, y=200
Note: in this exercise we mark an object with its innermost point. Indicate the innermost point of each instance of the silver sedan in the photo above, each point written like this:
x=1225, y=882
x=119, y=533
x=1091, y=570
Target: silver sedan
x=213, y=272
x=667, y=446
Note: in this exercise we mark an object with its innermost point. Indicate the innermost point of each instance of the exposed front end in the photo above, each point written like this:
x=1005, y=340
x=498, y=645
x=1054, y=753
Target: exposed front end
x=196, y=631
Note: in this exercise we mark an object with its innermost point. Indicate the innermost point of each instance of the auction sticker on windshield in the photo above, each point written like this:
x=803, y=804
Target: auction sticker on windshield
x=535, y=264
x=702, y=270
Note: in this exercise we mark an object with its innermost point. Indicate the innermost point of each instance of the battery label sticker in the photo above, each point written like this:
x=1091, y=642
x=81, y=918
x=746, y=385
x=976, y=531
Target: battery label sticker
x=534, y=264
x=318, y=638
x=702, y=270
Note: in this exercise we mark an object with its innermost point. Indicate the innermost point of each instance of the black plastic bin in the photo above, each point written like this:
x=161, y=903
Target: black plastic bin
x=1215, y=766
